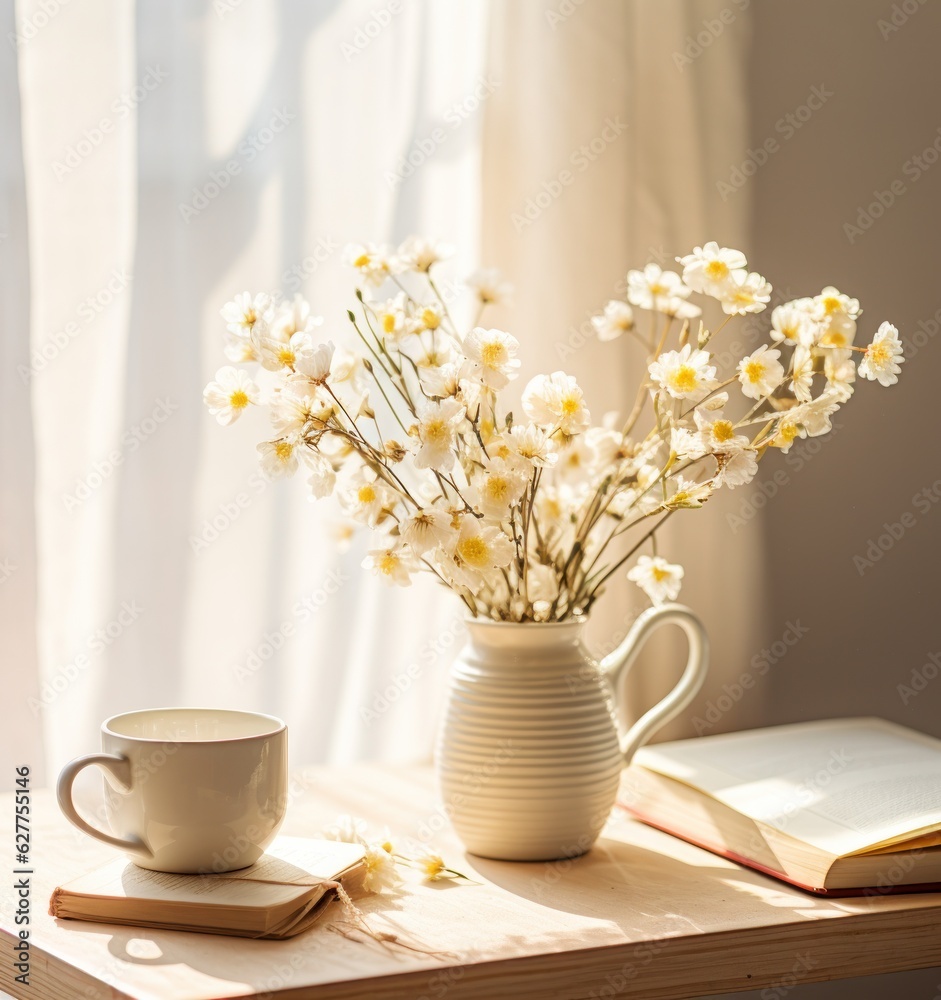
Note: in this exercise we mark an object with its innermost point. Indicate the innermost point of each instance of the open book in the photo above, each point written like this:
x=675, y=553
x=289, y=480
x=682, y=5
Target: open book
x=279, y=896
x=840, y=807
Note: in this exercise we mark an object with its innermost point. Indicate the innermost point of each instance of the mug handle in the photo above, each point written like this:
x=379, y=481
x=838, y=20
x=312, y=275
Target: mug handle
x=616, y=665
x=120, y=768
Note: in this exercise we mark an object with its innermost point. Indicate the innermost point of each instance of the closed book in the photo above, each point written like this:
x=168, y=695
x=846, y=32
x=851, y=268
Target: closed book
x=279, y=896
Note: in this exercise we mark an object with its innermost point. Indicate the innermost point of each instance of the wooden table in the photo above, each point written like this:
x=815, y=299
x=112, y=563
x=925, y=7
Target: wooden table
x=641, y=915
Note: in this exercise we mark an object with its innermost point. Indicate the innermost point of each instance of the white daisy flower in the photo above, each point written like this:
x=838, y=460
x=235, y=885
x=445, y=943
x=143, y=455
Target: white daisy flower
x=709, y=268
x=432, y=866
x=441, y=380
x=685, y=443
x=532, y=444
x=374, y=264
x=293, y=317
x=429, y=317
x=736, y=468
x=494, y=489
x=760, y=372
x=380, y=870
x=437, y=427
x=366, y=500
x=276, y=354
x=247, y=315
x=427, y=529
x=831, y=304
x=490, y=286
x=883, y=356
x=240, y=349
x=717, y=432
x=391, y=317
x=802, y=373
x=297, y=405
x=491, y=357
x=684, y=373
x=787, y=432
x=418, y=253
x=679, y=308
x=315, y=364
x=815, y=416
x=617, y=318
x=657, y=578
x=653, y=287
x=792, y=323
x=840, y=374
x=229, y=394
x=322, y=479
x=556, y=400
x=278, y=458
x=393, y=565
x=684, y=494
x=577, y=461
x=838, y=337
x=480, y=549
x=747, y=292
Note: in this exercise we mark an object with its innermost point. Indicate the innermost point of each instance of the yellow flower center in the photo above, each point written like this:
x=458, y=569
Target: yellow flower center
x=717, y=270
x=684, y=379
x=570, y=405
x=755, y=371
x=659, y=574
x=287, y=357
x=436, y=432
x=742, y=297
x=362, y=260
x=473, y=551
x=284, y=450
x=787, y=432
x=238, y=400
x=388, y=322
x=431, y=319
x=497, y=488
x=680, y=497
x=493, y=354
x=879, y=353
x=831, y=305
x=834, y=338
x=722, y=430
x=433, y=867
x=388, y=563
x=249, y=318
x=366, y=494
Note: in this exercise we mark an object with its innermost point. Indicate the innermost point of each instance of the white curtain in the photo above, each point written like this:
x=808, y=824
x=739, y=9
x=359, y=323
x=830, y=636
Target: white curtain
x=175, y=154
x=608, y=91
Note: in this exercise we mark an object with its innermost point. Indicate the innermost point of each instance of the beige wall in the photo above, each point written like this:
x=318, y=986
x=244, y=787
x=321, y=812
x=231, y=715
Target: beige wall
x=868, y=632
x=869, y=626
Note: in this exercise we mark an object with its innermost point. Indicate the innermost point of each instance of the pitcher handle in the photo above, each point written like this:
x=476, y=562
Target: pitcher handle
x=616, y=665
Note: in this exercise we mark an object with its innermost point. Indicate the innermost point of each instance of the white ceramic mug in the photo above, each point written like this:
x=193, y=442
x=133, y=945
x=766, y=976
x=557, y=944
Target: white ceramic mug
x=188, y=789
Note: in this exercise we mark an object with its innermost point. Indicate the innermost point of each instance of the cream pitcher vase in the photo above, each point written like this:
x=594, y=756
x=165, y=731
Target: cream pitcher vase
x=529, y=754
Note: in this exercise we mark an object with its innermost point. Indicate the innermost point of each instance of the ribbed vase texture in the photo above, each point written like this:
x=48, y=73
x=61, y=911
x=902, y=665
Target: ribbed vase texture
x=528, y=754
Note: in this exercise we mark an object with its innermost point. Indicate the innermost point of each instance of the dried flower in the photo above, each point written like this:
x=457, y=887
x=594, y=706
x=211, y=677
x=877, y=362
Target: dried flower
x=522, y=514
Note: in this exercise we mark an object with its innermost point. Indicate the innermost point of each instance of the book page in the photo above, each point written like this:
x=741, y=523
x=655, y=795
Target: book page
x=843, y=786
x=287, y=870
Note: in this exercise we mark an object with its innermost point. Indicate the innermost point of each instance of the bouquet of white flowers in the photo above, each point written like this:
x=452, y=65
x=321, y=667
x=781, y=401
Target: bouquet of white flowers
x=526, y=513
